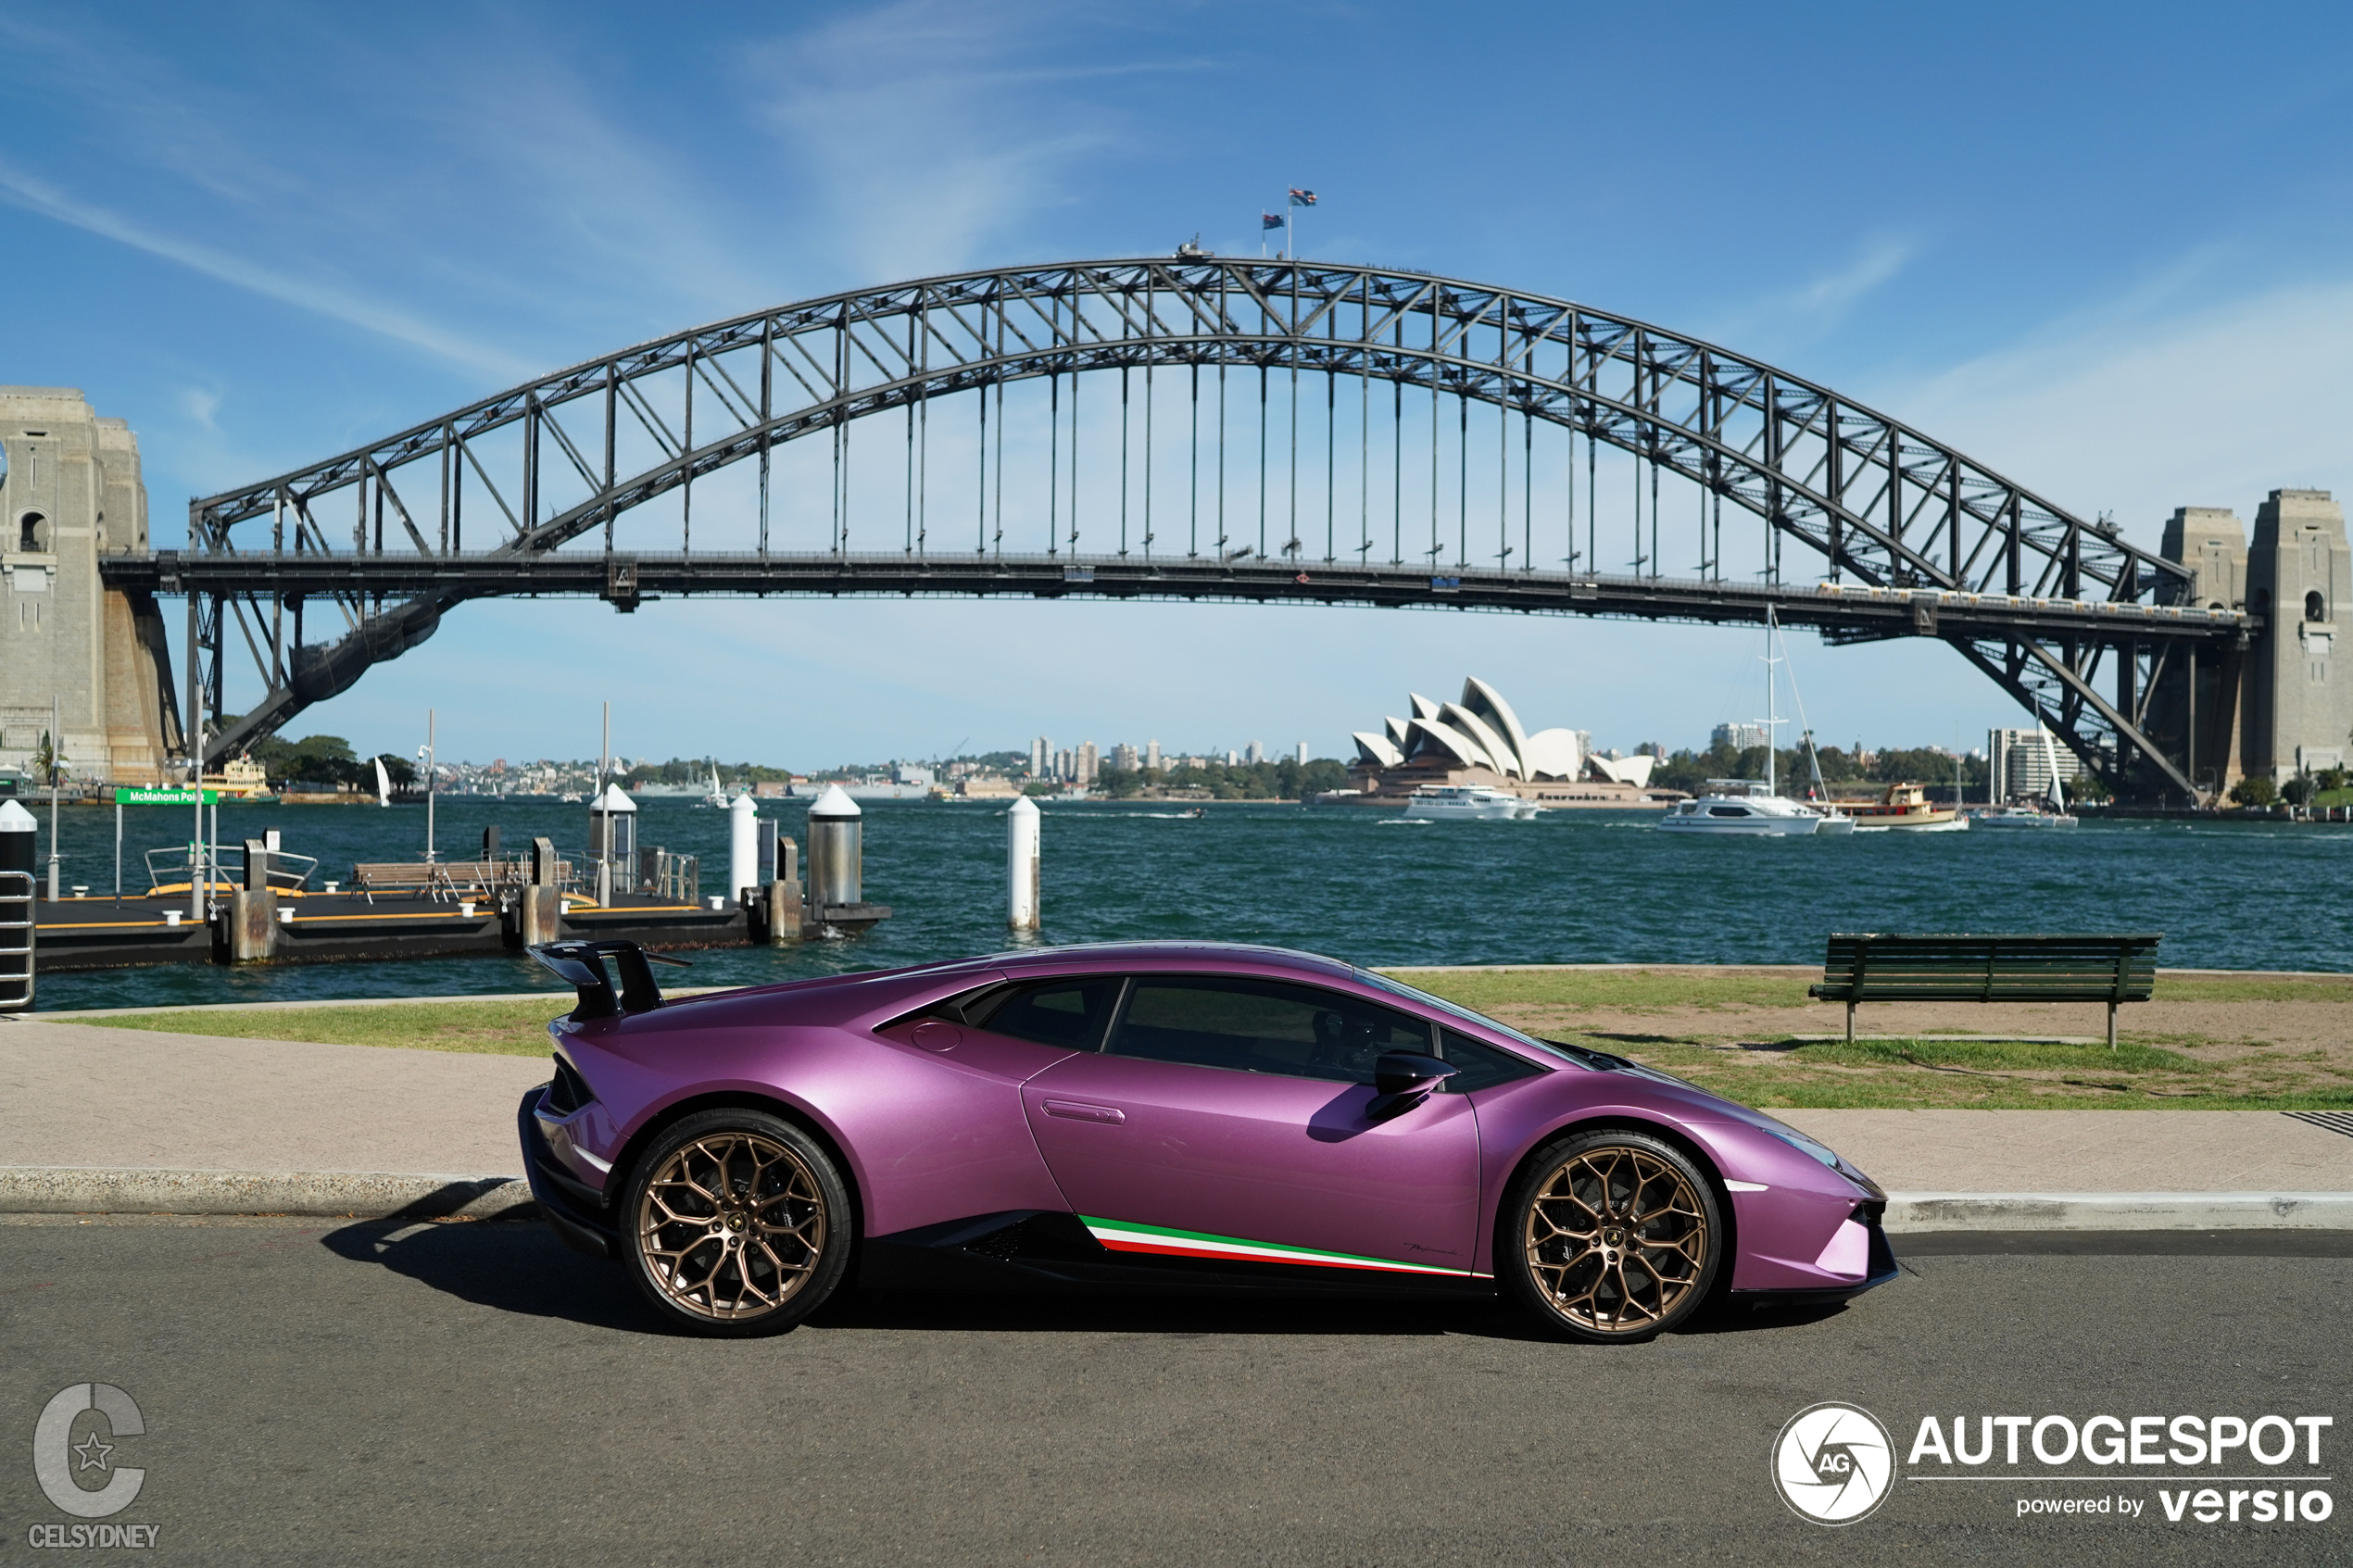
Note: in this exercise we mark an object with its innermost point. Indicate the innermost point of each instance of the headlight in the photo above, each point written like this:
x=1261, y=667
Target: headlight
x=1804, y=1144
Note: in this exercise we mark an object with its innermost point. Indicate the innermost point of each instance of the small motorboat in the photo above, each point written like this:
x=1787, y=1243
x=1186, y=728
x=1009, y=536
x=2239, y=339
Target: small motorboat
x=1906, y=808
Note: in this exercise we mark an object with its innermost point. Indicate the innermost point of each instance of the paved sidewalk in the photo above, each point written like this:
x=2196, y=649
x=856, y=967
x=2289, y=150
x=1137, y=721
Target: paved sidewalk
x=2085, y=1150
x=89, y=1096
x=85, y=1094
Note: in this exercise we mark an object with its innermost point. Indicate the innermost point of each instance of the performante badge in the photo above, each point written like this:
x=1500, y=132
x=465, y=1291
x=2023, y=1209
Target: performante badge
x=1833, y=1463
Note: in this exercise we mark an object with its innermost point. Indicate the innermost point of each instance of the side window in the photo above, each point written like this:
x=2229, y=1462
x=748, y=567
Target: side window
x=1262, y=1026
x=1070, y=1013
x=1477, y=1064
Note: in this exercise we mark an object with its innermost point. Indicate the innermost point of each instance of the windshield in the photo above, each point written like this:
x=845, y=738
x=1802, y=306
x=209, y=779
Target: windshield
x=1559, y=1053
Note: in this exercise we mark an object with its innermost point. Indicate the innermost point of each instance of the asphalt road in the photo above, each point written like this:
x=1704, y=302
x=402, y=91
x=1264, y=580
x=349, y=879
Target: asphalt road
x=471, y=1393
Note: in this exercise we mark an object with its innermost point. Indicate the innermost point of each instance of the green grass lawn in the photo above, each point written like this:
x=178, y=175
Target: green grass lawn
x=1729, y=1033
x=500, y=1028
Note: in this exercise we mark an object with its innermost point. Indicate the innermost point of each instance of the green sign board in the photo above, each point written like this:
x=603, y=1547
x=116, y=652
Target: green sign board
x=162, y=797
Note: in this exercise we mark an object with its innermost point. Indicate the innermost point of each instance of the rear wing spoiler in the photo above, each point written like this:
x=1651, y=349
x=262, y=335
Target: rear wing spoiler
x=583, y=965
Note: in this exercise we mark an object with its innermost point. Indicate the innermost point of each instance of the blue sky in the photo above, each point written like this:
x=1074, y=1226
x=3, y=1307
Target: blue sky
x=2104, y=249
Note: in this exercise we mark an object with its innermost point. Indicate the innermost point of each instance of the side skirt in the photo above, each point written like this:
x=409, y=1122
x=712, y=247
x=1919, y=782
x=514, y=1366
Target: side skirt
x=1029, y=1249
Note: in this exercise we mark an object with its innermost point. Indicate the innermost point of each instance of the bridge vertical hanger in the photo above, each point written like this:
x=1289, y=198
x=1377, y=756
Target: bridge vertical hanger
x=1193, y=472
x=1054, y=429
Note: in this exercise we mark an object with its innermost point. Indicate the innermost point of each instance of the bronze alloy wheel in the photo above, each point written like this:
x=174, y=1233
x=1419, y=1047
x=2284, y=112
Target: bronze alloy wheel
x=734, y=1224
x=1618, y=1236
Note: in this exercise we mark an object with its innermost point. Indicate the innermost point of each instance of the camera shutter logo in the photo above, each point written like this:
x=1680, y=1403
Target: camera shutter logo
x=57, y=1460
x=1833, y=1463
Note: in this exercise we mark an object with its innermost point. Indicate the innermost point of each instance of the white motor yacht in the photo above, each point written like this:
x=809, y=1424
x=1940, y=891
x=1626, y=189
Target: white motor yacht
x=1745, y=807
x=1477, y=803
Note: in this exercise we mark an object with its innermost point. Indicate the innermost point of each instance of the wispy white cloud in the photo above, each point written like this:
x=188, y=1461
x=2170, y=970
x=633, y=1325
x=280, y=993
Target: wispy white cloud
x=2139, y=410
x=37, y=196
x=1831, y=296
x=201, y=406
x=930, y=129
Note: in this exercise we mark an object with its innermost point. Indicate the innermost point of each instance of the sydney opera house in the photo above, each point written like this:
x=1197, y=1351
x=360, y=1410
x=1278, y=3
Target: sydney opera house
x=1480, y=741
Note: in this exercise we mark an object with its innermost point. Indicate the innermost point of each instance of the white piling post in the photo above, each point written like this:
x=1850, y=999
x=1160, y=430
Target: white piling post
x=1020, y=864
x=743, y=848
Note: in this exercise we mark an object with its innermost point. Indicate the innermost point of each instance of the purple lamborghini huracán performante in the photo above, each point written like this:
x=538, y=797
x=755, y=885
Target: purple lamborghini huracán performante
x=1176, y=1115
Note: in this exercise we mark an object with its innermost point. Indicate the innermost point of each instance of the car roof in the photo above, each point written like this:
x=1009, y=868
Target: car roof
x=1108, y=955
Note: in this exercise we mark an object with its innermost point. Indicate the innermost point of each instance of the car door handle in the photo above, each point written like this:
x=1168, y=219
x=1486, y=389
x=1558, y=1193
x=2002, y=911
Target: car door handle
x=1078, y=1112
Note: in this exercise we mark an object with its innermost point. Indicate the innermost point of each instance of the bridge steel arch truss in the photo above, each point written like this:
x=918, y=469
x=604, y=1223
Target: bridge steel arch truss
x=1911, y=536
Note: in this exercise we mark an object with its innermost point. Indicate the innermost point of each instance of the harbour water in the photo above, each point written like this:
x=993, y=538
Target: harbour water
x=1570, y=887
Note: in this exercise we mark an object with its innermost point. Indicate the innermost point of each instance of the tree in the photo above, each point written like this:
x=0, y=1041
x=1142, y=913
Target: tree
x=2254, y=790
x=47, y=764
x=2297, y=790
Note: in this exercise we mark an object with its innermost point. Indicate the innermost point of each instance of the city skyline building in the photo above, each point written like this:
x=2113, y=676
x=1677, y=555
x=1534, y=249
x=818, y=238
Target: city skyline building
x=2018, y=763
x=1737, y=735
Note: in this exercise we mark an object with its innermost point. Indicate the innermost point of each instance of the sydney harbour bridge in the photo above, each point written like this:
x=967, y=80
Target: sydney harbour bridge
x=1198, y=427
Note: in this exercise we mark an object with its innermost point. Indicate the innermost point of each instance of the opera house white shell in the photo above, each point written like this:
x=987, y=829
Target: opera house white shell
x=1481, y=731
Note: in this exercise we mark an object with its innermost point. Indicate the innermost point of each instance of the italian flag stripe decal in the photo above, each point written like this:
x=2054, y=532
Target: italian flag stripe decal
x=1119, y=1236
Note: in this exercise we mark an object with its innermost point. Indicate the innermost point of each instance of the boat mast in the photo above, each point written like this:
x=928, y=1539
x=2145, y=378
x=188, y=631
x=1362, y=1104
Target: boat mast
x=1772, y=714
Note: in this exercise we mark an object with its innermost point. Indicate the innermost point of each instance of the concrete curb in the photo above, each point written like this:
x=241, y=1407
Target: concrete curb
x=1917, y=1212
x=352, y=1194
x=383, y=1194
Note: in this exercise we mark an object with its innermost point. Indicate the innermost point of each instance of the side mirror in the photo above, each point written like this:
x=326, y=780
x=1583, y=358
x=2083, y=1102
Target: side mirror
x=1406, y=1073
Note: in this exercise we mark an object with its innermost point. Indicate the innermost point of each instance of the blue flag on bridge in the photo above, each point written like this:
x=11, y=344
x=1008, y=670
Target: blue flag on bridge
x=1269, y=221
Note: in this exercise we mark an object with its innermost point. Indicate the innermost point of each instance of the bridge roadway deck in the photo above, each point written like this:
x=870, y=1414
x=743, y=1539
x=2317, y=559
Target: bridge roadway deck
x=1858, y=611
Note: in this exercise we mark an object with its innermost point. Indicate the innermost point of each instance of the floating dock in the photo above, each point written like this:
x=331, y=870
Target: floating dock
x=104, y=932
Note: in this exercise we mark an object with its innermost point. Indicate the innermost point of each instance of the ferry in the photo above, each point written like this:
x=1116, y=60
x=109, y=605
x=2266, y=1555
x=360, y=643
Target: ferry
x=1905, y=806
x=241, y=778
x=1476, y=803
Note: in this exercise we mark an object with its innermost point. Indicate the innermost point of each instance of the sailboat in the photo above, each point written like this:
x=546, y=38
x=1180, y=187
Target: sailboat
x=2051, y=812
x=1748, y=808
x=717, y=798
x=383, y=784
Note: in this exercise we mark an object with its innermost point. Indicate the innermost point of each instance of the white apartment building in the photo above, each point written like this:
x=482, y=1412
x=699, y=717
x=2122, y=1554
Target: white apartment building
x=2020, y=762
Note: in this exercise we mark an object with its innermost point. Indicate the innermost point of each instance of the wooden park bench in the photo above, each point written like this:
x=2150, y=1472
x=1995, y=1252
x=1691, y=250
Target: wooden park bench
x=1879, y=967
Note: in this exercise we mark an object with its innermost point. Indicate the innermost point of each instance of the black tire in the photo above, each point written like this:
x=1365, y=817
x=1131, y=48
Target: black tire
x=1612, y=1236
x=734, y=1224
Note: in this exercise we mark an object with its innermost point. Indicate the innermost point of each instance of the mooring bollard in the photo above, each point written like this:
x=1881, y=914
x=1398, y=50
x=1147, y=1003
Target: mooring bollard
x=540, y=906
x=743, y=848
x=16, y=929
x=253, y=911
x=836, y=852
x=1020, y=864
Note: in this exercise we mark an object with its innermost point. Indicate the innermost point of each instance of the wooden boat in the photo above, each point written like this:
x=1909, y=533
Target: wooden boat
x=1905, y=805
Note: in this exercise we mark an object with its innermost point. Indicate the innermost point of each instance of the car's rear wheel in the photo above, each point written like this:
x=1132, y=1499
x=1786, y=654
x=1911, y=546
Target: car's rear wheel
x=736, y=1223
x=1612, y=1235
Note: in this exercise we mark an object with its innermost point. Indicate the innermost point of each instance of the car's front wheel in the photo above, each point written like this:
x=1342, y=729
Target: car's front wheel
x=1612, y=1235
x=736, y=1224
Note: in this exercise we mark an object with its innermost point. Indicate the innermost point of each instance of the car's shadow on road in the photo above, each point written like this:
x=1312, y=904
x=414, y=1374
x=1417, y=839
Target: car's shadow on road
x=519, y=1268
x=505, y=1265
